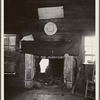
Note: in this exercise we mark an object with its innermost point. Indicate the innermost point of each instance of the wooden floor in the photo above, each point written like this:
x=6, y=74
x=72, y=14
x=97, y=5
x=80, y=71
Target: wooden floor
x=47, y=93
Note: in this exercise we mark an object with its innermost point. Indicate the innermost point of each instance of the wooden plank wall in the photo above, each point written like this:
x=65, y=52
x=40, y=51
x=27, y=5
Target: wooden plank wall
x=22, y=16
x=17, y=81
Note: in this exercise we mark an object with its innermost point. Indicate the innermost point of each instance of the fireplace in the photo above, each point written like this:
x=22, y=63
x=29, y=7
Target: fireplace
x=49, y=71
x=58, y=71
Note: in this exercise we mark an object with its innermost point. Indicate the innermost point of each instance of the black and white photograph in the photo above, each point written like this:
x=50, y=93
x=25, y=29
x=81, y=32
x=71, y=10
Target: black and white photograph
x=49, y=50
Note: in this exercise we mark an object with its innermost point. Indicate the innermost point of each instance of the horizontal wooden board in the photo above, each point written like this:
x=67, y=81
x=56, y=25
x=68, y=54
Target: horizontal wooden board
x=50, y=48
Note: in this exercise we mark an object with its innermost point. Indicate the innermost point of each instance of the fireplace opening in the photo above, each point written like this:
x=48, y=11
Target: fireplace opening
x=49, y=71
x=44, y=64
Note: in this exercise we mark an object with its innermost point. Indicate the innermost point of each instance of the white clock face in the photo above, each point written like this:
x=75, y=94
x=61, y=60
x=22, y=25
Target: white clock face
x=50, y=28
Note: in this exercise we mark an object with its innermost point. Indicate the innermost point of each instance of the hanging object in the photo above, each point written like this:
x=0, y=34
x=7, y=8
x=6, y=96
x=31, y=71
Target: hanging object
x=28, y=38
x=51, y=12
x=50, y=28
